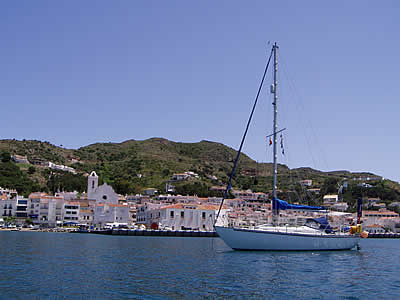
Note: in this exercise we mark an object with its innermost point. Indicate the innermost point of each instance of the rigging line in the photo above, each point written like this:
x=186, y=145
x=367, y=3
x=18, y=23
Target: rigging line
x=228, y=187
x=292, y=184
x=301, y=108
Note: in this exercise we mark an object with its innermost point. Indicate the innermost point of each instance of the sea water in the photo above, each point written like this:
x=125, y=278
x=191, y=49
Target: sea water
x=77, y=266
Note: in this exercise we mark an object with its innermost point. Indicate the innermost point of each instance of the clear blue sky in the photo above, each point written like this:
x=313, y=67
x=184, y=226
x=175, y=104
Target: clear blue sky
x=79, y=72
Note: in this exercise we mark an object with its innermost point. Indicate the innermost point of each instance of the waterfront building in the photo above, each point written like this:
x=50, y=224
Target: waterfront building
x=144, y=213
x=21, y=211
x=34, y=205
x=107, y=208
x=382, y=217
x=183, y=216
x=374, y=228
x=50, y=211
x=111, y=213
x=103, y=194
x=71, y=212
x=86, y=212
x=45, y=210
x=7, y=205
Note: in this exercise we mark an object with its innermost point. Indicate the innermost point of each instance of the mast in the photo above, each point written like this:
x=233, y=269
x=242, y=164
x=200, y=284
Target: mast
x=275, y=209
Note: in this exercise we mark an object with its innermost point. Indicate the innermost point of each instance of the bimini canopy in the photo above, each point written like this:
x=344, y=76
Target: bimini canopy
x=283, y=205
x=320, y=223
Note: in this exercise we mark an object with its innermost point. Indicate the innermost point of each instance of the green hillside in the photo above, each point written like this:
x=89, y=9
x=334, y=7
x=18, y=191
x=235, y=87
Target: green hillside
x=132, y=166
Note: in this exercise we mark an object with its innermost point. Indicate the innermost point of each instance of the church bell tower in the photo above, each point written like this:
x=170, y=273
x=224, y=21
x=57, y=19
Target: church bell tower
x=93, y=183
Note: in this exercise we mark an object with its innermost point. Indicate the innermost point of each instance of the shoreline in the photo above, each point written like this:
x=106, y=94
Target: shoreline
x=163, y=233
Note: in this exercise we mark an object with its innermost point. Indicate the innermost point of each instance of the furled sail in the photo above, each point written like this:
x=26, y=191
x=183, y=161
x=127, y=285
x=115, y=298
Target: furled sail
x=283, y=205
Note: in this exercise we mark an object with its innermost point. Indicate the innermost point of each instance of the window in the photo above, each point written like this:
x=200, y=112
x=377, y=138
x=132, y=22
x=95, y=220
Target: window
x=182, y=214
x=92, y=184
x=203, y=215
x=105, y=197
x=172, y=214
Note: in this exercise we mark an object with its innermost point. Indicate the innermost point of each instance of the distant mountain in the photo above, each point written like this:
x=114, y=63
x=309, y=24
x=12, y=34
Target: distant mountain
x=133, y=165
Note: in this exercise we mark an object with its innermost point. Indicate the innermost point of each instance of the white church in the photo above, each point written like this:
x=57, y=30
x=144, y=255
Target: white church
x=107, y=208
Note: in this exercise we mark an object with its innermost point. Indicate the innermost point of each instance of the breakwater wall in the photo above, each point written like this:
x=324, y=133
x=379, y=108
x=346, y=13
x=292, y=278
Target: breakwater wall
x=384, y=235
x=176, y=233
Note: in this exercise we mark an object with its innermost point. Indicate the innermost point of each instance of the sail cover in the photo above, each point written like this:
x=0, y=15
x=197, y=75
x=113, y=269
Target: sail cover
x=283, y=205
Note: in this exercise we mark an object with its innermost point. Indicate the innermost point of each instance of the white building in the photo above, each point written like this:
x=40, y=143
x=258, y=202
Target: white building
x=101, y=194
x=306, y=182
x=186, y=217
x=21, y=211
x=249, y=195
x=330, y=199
x=374, y=228
x=86, y=212
x=61, y=168
x=71, y=212
x=180, y=176
x=111, y=213
x=107, y=209
x=50, y=211
x=7, y=206
x=340, y=206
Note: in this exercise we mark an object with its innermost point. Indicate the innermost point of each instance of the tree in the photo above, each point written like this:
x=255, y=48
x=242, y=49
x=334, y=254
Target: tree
x=330, y=186
x=31, y=170
x=5, y=157
x=9, y=220
x=28, y=221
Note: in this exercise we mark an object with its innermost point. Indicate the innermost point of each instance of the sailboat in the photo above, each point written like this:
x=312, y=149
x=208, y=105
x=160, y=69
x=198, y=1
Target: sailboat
x=316, y=234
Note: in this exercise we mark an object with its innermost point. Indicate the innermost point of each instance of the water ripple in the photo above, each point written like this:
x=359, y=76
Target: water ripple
x=73, y=266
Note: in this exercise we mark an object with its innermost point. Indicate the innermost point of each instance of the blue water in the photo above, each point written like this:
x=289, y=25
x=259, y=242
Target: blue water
x=76, y=266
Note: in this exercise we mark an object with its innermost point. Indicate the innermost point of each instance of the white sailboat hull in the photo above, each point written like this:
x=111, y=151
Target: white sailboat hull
x=253, y=239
